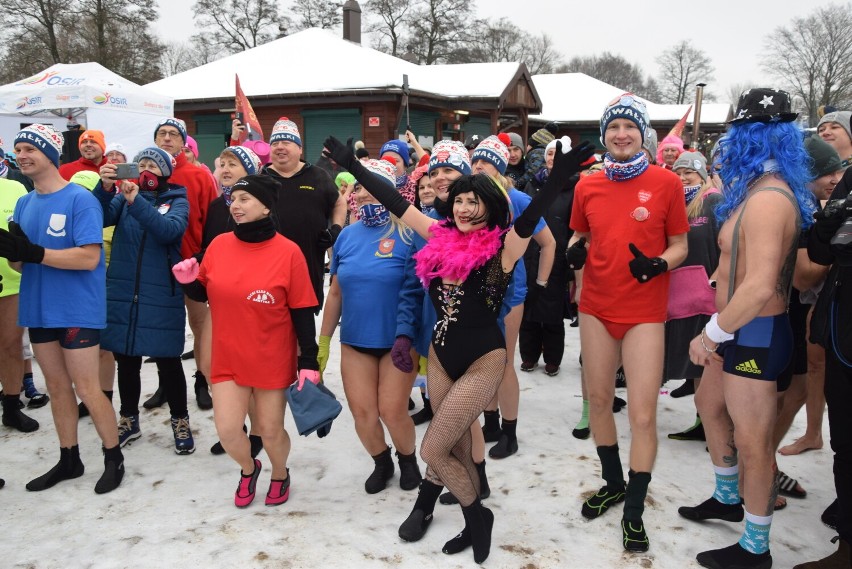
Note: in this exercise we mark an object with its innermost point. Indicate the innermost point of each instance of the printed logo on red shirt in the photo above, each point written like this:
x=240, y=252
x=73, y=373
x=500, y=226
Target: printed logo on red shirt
x=644, y=196
x=261, y=296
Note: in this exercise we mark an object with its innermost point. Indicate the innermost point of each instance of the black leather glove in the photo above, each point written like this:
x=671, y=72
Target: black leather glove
x=564, y=166
x=576, y=254
x=827, y=221
x=16, y=246
x=327, y=237
x=343, y=154
x=644, y=269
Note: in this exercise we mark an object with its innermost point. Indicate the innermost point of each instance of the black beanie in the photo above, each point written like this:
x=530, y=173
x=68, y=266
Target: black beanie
x=825, y=157
x=265, y=188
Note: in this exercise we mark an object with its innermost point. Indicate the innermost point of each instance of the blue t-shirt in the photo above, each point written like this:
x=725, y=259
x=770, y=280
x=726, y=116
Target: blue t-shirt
x=520, y=201
x=370, y=270
x=62, y=298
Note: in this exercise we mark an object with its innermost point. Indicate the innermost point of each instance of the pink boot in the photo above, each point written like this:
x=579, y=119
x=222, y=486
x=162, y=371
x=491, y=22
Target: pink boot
x=246, y=488
x=279, y=491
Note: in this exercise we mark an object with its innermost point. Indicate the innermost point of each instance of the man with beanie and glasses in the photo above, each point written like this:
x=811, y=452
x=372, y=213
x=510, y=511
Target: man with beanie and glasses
x=55, y=240
x=630, y=223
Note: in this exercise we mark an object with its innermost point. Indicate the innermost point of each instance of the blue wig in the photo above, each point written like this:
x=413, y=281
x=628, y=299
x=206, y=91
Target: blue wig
x=743, y=151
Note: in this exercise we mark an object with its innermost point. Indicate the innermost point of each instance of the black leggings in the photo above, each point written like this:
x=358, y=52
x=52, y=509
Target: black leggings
x=172, y=379
x=536, y=338
x=446, y=446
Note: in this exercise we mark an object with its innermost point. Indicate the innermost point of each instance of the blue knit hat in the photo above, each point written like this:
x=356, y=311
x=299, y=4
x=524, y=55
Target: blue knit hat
x=450, y=154
x=45, y=138
x=397, y=146
x=626, y=106
x=247, y=157
x=285, y=129
x=494, y=151
x=164, y=161
x=177, y=123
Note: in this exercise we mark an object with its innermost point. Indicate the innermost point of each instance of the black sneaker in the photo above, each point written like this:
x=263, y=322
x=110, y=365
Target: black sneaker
x=528, y=366
x=713, y=509
x=603, y=500
x=634, y=537
x=581, y=434
x=734, y=556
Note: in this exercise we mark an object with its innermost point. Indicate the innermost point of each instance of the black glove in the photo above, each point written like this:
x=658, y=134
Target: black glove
x=827, y=221
x=343, y=154
x=16, y=246
x=644, y=269
x=327, y=237
x=576, y=254
x=564, y=166
x=534, y=292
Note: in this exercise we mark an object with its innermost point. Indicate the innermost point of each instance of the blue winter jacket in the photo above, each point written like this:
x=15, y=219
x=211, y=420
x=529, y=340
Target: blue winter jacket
x=145, y=309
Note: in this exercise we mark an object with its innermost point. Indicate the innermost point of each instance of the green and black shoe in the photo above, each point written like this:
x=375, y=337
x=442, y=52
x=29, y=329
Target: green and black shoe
x=635, y=539
x=602, y=501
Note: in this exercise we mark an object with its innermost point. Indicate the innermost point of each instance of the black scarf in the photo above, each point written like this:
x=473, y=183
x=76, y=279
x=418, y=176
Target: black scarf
x=255, y=231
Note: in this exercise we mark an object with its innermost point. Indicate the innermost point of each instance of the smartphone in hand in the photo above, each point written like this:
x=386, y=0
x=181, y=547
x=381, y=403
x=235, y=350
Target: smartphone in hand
x=127, y=171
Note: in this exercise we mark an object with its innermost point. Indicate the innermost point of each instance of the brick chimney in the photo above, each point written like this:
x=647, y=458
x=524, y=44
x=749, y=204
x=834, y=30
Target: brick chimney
x=352, y=21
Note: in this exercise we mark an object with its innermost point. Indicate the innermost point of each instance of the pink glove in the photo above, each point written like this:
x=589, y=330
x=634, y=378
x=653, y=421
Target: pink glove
x=311, y=375
x=186, y=271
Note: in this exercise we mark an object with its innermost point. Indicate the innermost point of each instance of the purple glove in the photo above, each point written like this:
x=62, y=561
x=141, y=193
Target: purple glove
x=401, y=354
x=311, y=375
x=186, y=271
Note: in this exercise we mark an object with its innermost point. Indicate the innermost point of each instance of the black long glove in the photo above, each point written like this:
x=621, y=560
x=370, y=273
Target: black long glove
x=643, y=268
x=387, y=195
x=576, y=254
x=564, y=166
x=16, y=246
x=305, y=327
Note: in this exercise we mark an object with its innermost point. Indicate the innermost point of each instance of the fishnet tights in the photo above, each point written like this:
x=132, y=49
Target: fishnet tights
x=446, y=446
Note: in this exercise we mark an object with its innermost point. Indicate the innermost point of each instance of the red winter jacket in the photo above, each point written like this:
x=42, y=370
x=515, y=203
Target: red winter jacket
x=200, y=191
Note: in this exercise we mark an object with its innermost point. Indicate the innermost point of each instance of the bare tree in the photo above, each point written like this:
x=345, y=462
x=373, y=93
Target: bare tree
x=391, y=24
x=39, y=21
x=318, y=14
x=813, y=56
x=237, y=25
x=734, y=91
x=540, y=56
x=438, y=28
x=609, y=68
x=682, y=66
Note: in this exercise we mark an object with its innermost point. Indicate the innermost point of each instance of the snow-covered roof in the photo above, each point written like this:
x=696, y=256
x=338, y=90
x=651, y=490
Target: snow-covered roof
x=578, y=98
x=319, y=61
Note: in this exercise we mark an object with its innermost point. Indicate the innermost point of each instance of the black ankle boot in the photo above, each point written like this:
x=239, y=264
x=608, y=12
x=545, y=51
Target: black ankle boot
x=69, y=466
x=479, y=521
x=424, y=415
x=448, y=498
x=202, y=392
x=13, y=417
x=409, y=471
x=156, y=400
x=382, y=472
x=491, y=428
x=113, y=471
x=415, y=525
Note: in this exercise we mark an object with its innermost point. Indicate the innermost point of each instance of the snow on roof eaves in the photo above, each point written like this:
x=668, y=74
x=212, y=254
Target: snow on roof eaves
x=578, y=98
x=310, y=62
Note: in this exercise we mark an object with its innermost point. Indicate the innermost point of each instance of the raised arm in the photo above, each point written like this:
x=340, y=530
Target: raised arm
x=387, y=196
x=565, y=165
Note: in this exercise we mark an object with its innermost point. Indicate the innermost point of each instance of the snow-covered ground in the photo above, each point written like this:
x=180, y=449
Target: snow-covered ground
x=178, y=510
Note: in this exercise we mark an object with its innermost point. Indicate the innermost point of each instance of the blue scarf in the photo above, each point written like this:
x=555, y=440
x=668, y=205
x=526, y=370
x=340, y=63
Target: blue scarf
x=427, y=209
x=374, y=215
x=226, y=193
x=4, y=169
x=621, y=171
x=690, y=192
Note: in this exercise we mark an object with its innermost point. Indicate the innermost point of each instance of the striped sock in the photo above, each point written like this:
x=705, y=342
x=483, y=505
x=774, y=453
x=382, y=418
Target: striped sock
x=755, y=538
x=727, y=484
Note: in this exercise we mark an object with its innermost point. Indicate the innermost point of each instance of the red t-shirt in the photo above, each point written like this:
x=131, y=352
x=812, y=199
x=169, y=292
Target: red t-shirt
x=644, y=211
x=200, y=191
x=251, y=288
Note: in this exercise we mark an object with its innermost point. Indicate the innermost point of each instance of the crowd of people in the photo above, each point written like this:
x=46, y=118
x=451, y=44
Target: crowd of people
x=724, y=270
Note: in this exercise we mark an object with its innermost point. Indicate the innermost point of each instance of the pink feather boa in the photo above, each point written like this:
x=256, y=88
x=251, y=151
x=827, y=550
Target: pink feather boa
x=452, y=255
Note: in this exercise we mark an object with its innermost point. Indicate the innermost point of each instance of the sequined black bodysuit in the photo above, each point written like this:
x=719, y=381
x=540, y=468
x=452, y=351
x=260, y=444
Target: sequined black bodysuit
x=467, y=316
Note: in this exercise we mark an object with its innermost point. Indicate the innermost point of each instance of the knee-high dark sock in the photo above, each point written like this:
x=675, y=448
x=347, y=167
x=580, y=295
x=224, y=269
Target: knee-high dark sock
x=492, y=421
x=637, y=489
x=509, y=428
x=611, y=470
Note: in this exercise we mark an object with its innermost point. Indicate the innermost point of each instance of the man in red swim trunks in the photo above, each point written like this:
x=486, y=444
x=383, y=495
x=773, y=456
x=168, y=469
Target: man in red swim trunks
x=630, y=223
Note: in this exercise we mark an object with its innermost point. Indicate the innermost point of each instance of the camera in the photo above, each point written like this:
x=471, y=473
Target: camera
x=127, y=171
x=841, y=242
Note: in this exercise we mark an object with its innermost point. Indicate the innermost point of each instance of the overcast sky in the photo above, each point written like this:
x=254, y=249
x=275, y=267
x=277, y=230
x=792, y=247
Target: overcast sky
x=732, y=33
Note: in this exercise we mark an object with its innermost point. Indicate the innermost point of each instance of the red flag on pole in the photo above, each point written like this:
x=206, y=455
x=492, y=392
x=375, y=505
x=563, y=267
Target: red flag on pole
x=248, y=118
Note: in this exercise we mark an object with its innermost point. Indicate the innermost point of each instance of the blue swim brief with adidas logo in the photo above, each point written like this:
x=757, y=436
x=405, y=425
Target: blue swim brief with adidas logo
x=760, y=350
